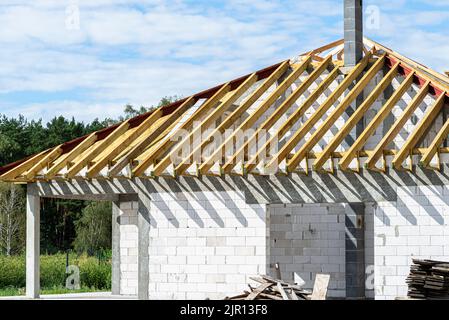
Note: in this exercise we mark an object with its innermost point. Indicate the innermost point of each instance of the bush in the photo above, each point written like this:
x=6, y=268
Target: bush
x=94, y=273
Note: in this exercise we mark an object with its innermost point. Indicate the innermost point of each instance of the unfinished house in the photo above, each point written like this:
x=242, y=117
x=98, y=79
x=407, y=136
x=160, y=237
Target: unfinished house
x=334, y=161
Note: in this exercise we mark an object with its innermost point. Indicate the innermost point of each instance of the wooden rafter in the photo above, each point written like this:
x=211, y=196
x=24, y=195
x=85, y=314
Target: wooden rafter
x=209, y=120
x=97, y=149
x=416, y=66
x=168, y=122
x=294, y=117
x=355, y=117
x=167, y=143
x=275, y=116
x=41, y=164
x=397, y=126
x=150, y=142
x=413, y=139
x=103, y=161
x=435, y=145
x=317, y=115
x=23, y=167
x=75, y=152
x=261, y=109
x=335, y=114
x=325, y=48
x=377, y=120
x=228, y=121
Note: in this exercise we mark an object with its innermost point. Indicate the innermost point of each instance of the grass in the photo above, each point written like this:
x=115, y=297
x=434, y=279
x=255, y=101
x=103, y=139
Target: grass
x=95, y=276
x=11, y=291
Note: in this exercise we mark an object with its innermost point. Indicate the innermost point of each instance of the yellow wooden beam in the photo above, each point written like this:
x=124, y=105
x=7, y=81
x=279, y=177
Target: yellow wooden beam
x=143, y=144
x=397, y=126
x=294, y=117
x=325, y=48
x=229, y=120
x=96, y=150
x=49, y=157
x=261, y=109
x=412, y=140
x=168, y=141
x=434, y=145
x=317, y=115
x=355, y=118
x=75, y=152
x=335, y=114
x=421, y=70
x=197, y=131
x=101, y=163
x=377, y=120
x=23, y=167
x=273, y=118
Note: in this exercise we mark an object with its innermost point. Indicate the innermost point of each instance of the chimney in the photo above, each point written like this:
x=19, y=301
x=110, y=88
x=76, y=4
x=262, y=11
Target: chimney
x=353, y=32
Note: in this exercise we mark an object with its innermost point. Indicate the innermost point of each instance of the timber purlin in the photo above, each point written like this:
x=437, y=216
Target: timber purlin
x=142, y=146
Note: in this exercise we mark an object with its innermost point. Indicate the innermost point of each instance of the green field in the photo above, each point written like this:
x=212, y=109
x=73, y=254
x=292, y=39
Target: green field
x=95, y=274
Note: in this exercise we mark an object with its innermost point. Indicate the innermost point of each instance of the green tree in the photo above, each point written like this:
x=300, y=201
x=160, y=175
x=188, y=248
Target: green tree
x=130, y=111
x=93, y=229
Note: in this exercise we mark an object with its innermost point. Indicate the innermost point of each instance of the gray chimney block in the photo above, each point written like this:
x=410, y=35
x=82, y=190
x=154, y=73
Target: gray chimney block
x=353, y=23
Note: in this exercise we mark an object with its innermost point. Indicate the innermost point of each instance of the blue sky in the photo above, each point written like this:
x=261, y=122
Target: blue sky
x=88, y=58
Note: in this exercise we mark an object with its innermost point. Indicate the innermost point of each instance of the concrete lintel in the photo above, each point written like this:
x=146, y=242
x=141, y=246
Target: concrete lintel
x=33, y=246
x=316, y=187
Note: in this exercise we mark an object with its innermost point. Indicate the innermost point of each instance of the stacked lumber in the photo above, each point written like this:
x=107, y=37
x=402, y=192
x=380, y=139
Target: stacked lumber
x=428, y=279
x=272, y=289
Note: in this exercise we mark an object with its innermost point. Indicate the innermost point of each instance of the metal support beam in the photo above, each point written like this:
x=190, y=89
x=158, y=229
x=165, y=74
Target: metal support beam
x=32, y=246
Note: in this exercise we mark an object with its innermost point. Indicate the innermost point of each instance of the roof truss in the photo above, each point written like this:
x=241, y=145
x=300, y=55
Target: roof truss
x=149, y=143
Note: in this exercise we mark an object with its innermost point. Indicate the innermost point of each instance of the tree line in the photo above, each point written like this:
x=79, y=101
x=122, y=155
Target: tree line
x=84, y=226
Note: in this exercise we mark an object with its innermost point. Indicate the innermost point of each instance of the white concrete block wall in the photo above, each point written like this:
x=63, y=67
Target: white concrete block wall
x=128, y=247
x=309, y=239
x=415, y=226
x=204, y=245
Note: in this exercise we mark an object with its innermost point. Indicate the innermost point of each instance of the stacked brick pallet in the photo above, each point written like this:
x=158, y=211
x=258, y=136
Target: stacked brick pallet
x=428, y=279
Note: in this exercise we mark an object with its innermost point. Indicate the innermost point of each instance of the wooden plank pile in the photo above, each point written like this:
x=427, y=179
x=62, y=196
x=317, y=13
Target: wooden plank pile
x=272, y=289
x=428, y=279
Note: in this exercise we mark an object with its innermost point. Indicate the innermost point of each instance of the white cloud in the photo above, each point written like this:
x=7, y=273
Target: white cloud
x=139, y=51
